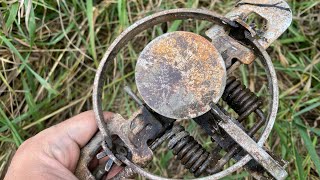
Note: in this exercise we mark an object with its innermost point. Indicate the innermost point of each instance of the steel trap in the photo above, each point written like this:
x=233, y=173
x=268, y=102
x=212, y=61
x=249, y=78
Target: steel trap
x=182, y=75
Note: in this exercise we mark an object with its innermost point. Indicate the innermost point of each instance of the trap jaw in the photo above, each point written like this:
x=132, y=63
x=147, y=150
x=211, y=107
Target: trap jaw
x=180, y=75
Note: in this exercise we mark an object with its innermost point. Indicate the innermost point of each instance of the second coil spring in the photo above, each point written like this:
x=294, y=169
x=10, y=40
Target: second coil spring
x=189, y=151
x=240, y=98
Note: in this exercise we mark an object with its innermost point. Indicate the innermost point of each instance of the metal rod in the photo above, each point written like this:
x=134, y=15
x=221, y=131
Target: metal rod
x=233, y=67
x=249, y=145
x=128, y=90
x=236, y=148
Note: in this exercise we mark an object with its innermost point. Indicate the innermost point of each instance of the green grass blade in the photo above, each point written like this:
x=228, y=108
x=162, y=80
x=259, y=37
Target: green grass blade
x=26, y=115
x=30, y=20
x=164, y=161
x=42, y=81
x=314, y=130
x=30, y=99
x=12, y=15
x=91, y=31
x=5, y=82
x=298, y=163
x=16, y=136
x=307, y=109
x=60, y=36
x=175, y=25
x=122, y=14
x=308, y=144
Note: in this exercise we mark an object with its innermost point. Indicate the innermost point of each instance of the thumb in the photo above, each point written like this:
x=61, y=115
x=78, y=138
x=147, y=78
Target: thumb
x=65, y=140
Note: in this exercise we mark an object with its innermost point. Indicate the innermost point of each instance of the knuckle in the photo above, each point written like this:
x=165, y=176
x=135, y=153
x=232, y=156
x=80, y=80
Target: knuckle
x=25, y=145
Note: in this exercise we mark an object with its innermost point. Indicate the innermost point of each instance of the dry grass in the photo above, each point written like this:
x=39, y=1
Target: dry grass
x=49, y=51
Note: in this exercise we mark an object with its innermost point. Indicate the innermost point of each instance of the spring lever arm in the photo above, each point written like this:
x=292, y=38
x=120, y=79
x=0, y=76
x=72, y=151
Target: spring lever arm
x=248, y=144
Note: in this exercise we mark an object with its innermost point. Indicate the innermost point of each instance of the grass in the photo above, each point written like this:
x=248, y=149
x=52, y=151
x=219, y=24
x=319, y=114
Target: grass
x=49, y=51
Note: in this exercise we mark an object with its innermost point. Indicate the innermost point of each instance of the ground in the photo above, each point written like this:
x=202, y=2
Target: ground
x=51, y=49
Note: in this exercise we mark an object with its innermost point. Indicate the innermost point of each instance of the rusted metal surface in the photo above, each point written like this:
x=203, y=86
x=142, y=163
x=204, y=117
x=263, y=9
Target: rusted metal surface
x=144, y=127
x=191, y=154
x=179, y=73
x=273, y=90
x=240, y=98
x=249, y=145
x=132, y=136
x=277, y=15
x=231, y=147
x=229, y=48
x=243, y=101
x=129, y=34
x=87, y=154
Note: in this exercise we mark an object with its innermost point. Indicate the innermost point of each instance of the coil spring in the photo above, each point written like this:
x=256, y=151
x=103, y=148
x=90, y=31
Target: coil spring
x=189, y=151
x=240, y=98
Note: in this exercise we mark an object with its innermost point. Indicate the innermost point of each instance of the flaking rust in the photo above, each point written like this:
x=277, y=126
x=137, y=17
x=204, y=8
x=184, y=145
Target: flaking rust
x=277, y=17
x=179, y=73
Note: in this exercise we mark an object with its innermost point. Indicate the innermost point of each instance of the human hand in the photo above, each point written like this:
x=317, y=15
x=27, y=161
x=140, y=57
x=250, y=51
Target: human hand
x=54, y=152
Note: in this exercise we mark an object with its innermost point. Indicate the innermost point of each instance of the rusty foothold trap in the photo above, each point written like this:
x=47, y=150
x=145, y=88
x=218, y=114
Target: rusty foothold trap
x=183, y=75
